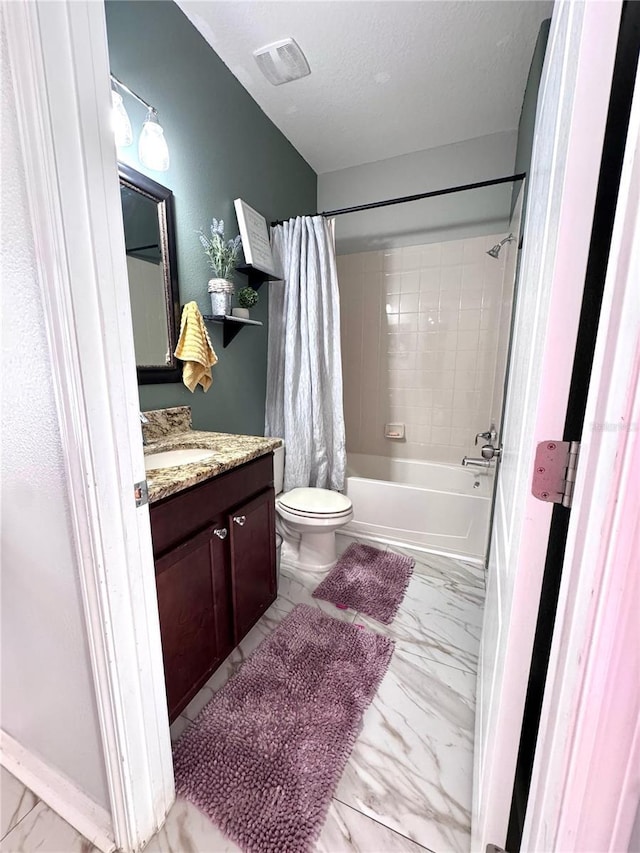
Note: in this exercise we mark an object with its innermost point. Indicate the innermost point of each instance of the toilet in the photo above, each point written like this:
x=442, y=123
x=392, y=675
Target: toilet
x=307, y=520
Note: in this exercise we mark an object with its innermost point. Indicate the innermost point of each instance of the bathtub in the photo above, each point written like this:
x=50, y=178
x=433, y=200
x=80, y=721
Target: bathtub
x=433, y=507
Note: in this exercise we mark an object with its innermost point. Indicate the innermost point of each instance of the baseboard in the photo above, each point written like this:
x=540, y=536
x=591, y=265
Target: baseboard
x=59, y=793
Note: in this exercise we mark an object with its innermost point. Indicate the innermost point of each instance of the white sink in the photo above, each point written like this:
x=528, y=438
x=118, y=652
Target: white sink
x=173, y=458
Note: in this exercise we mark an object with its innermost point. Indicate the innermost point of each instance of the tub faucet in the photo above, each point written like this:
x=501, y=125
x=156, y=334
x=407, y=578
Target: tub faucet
x=477, y=463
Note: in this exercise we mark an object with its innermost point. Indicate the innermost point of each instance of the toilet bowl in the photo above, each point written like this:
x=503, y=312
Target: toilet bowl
x=307, y=519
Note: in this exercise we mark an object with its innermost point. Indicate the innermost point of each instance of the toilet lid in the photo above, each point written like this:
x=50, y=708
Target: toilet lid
x=315, y=502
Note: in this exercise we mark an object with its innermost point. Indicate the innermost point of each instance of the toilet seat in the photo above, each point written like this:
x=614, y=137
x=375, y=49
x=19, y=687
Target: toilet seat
x=315, y=503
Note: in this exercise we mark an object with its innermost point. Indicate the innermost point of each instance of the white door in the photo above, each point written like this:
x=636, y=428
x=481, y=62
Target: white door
x=570, y=123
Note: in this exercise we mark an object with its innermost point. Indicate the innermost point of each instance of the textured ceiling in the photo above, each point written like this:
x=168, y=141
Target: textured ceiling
x=387, y=78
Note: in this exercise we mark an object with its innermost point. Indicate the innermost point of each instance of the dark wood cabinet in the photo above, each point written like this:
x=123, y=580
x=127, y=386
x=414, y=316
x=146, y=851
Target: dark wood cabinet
x=253, y=576
x=193, y=601
x=214, y=547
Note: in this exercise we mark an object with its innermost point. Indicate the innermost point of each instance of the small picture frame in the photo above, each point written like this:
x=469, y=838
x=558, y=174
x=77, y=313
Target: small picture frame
x=255, y=238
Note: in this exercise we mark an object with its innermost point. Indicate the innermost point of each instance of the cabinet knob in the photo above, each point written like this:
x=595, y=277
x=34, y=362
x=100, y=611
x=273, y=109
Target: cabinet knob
x=240, y=519
x=221, y=532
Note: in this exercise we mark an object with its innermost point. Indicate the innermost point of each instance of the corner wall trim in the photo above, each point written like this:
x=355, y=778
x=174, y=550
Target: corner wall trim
x=59, y=793
x=58, y=52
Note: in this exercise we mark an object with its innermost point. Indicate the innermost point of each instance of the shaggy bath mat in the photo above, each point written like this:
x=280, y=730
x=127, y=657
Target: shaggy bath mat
x=368, y=580
x=264, y=756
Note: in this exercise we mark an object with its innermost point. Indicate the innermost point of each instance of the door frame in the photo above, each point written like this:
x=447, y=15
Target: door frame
x=59, y=54
x=586, y=773
x=59, y=59
x=570, y=127
x=614, y=148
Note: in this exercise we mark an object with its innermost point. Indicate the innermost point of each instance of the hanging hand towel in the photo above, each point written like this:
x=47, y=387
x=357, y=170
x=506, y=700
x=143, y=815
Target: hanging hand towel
x=194, y=348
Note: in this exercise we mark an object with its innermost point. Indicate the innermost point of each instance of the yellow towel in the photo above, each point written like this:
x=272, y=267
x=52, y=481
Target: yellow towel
x=194, y=348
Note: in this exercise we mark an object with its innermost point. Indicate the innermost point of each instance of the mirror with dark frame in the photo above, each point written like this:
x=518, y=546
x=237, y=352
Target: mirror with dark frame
x=147, y=211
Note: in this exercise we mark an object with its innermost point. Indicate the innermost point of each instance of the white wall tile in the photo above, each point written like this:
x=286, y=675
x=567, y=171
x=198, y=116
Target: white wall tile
x=469, y=320
x=411, y=257
x=392, y=282
x=430, y=255
x=440, y=435
x=371, y=261
x=392, y=260
x=452, y=253
x=468, y=340
x=449, y=299
x=409, y=303
x=430, y=279
x=451, y=277
x=421, y=327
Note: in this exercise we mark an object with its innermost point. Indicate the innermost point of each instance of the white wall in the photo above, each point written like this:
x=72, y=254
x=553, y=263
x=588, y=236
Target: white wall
x=457, y=216
x=47, y=701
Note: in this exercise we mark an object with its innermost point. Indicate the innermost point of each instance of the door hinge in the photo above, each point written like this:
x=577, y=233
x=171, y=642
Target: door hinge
x=554, y=471
x=493, y=848
x=141, y=493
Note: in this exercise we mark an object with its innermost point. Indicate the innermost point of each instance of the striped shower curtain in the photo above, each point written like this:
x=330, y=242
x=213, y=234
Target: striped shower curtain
x=304, y=369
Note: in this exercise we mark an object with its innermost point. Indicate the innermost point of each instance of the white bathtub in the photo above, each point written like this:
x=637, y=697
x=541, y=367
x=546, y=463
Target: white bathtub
x=430, y=506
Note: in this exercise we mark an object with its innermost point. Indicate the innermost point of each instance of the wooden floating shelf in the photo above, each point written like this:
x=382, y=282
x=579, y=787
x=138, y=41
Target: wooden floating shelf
x=256, y=277
x=230, y=325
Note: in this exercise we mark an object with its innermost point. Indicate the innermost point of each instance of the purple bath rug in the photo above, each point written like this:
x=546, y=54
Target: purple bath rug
x=264, y=756
x=368, y=580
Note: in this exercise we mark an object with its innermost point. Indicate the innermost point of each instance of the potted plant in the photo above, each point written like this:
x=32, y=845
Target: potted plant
x=247, y=298
x=222, y=259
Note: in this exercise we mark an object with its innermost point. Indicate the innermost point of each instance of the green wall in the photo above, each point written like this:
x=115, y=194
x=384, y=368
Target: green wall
x=222, y=146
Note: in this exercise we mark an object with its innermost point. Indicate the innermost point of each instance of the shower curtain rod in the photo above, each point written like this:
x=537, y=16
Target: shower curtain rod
x=462, y=188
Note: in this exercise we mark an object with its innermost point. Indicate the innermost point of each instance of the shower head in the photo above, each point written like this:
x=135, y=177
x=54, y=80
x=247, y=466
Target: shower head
x=494, y=251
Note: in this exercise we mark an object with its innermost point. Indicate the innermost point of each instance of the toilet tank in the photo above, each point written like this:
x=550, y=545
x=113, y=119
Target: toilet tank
x=278, y=469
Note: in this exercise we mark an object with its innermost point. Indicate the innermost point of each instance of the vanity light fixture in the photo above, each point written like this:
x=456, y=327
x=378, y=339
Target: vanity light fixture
x=120, y=121
x=153, y=150
x=152, y=146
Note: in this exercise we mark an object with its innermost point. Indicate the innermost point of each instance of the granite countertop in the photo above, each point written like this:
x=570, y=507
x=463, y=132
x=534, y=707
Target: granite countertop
x=166, y=431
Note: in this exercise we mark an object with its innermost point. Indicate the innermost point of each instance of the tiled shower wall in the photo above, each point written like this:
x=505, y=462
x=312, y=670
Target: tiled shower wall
x=420, y=331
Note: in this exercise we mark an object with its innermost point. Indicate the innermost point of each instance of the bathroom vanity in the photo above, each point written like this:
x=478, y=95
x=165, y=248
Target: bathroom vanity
x=214, y=551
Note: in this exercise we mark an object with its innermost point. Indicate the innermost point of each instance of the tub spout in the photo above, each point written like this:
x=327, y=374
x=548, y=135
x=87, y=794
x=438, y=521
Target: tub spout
x=477, y=463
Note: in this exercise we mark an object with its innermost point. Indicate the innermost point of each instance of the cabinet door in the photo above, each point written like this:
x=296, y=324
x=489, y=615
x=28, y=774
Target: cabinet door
x=253, y=560
x=193, y=601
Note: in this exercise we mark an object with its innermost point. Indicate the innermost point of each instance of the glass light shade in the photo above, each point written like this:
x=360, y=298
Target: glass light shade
x=120, y=121
x=152, y=146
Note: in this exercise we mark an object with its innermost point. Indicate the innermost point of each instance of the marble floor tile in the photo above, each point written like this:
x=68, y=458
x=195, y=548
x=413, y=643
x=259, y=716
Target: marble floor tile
x=296, y=588
x=438, y=620
x=411, y=767
x=345, y=831
x=260, y=631
x=349, y=831
x=188, y=830
x=444, y=568
x=178, y=726
x=407, y=785
x=16, y=801
x=44, y=831
x=198, y=702
x=343, y=540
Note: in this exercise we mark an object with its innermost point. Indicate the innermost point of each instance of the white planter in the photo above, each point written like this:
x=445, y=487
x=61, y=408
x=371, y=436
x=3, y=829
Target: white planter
x=220, y=291
x=243, y=313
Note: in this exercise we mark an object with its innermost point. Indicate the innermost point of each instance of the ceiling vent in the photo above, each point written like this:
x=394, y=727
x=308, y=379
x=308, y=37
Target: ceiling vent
x=282, y=61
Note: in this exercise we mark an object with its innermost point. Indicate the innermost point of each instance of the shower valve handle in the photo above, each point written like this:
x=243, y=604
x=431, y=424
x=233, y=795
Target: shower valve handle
x=490, y=452
x=489, y=435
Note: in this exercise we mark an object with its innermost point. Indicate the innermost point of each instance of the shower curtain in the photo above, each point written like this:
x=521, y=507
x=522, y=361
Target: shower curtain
x=304, y=368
